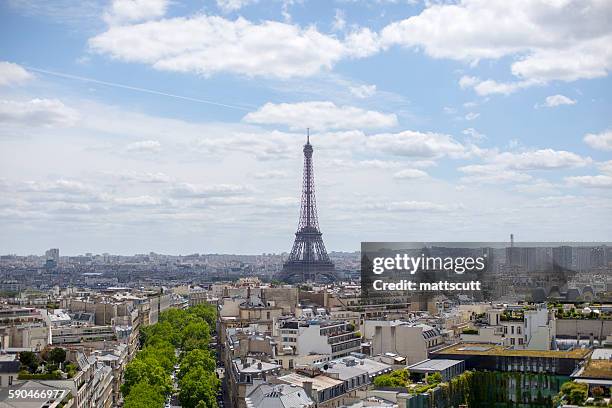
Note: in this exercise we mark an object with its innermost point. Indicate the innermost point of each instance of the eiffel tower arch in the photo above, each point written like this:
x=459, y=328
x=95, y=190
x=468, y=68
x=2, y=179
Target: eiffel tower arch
x=308, y=260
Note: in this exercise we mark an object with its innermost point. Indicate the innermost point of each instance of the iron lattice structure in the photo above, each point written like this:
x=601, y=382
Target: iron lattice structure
x=308, y=261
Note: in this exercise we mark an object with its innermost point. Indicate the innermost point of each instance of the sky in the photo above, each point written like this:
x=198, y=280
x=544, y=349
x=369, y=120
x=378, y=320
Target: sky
x=129, y=126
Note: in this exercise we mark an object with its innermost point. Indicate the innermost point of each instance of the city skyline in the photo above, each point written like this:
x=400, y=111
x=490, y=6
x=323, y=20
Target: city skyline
x=194, y=145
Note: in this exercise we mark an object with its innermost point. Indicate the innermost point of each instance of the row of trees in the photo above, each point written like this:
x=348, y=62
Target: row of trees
x=148, y=378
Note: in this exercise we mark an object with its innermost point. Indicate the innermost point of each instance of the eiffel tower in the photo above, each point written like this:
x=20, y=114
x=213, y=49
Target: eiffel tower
x=308, y=261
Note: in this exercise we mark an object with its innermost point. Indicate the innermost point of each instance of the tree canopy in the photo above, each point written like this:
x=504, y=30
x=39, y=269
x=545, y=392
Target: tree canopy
x=147, y=379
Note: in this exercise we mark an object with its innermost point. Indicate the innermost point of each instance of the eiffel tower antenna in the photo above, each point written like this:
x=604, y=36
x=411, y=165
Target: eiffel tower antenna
x=308, y=261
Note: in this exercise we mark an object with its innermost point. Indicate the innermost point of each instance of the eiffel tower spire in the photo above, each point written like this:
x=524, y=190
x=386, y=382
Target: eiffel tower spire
x=308, y=260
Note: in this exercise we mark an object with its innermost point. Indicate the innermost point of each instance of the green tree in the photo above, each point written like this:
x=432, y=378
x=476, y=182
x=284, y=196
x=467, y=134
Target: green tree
x=435, y=378
x=144, y=395
x=196, y=358
x=199, y=385
x=163, y=331
x=196, y=335
x=161, y=351
x=57, y=355
x=206, y=312
x=396, y=378
x=575, y=393
x=29, y=360
x=149, y=371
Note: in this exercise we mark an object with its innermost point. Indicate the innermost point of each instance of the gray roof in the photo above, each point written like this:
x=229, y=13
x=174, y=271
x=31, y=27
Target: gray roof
x=6, y=402
x=601, y=354
x=345, y=372
x=278, y=396
x=371, y=367
x=433, y=365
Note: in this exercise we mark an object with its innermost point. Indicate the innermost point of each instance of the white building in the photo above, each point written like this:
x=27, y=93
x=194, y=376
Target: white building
x=410, y=340
x=327, y=337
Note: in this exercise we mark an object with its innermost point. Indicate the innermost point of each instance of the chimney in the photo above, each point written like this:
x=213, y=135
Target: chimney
x=259, y=365
x=307, y=385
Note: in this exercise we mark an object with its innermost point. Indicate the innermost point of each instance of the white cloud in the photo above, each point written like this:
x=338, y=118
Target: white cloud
x=273, y=145
x=210, y=44
x=232, y=5
x=599, y=141
x=555, y=40
x=605, y=167
x=129, y=11
x=13, y=74
x=367, y=164
x=490, y=87
x=543, y=159
x=511, y=167
x=549, y=40
x=473, y=135
x=320, y=115
x=409, y=174
x=417, y=144
x=270, y=174
x=339, y=23
x=412, y=206
x=144, y=146
x=598, y=181
x=37, y=112
x=472, y=116
x=139, y=201
x=493, y=174
x=363, y=91
x=556, y=100
x=361, y=43
x=144, y=177
x=188, y=190
x=536, y=187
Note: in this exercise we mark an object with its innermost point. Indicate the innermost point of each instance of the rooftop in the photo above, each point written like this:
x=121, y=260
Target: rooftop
x=253, y=365
x=602, y=354
x=279, y=395
x=479, y=349
x=372, y=367
x=434, y=365
x=319, y=382
x=598, y=369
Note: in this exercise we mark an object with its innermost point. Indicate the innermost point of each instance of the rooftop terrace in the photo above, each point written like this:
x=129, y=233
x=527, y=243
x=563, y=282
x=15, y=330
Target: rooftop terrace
x=479, y=349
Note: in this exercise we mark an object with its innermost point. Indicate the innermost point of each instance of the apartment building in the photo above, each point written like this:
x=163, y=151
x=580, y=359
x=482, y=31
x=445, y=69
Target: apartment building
x=519, y=327
x=335, y=338
x=245, y=372
x=407, y=339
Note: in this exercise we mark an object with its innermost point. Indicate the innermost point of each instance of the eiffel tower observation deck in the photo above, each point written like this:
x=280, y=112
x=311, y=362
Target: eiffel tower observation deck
x=308, y=261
